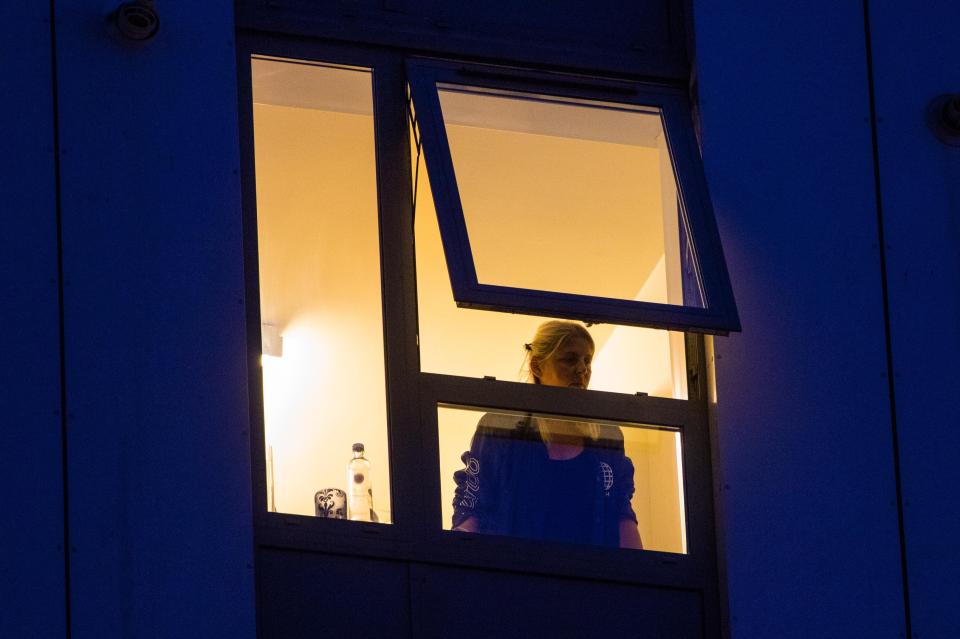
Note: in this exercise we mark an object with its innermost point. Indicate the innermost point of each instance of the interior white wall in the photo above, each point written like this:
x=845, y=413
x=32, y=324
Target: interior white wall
x=806, y=463
x=319, y=260
x=31, y=528
x=914, y=61
x=589, y=220
x=159, y=455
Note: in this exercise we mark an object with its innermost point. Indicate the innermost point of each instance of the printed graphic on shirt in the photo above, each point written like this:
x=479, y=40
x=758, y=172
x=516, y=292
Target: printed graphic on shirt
x=472, y=487
x=606, y=471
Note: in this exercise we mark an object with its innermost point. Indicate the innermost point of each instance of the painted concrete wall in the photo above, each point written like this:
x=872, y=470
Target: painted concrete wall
x=914, y=61
x=31, y=528
x=158, y=452
x=806, y=433
x=158, y=463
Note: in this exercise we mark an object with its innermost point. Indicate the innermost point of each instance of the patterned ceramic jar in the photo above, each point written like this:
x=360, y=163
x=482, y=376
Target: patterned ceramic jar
x=331, y=503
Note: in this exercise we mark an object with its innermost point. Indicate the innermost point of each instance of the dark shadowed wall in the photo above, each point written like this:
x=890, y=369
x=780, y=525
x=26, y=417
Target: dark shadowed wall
x=809, y=439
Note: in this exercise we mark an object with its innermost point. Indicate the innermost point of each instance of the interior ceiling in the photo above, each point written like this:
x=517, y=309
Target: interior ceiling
x=311, y=86
x=348, y=90
x=595, y=121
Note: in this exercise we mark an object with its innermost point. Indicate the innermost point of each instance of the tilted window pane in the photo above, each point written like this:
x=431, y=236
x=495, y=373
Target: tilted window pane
x=318, y=239
x=568, y=196
x=561, y=479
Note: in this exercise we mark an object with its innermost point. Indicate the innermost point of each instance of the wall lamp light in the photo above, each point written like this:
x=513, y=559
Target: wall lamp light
x=271, y=340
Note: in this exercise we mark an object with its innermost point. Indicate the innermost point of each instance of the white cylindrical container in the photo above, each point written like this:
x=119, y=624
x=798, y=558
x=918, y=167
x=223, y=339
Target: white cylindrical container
x=360, y=491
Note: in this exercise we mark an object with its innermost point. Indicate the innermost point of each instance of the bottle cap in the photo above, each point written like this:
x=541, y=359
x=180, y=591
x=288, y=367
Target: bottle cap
x=358, y=448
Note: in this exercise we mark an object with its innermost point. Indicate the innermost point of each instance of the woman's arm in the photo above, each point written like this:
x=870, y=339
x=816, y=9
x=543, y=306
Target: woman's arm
x=629, y=530
x=480, y=481
x=629, y=535
x=476, y=480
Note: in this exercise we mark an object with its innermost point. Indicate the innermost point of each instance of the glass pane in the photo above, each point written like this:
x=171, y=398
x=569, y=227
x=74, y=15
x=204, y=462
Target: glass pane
x=627, y=359
x=567, y=195
x=561, y=479
x=319, y=258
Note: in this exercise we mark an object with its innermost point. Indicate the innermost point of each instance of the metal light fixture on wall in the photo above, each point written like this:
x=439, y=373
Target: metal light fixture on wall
x=271, y=340
x=943, y=116
x=136, y=21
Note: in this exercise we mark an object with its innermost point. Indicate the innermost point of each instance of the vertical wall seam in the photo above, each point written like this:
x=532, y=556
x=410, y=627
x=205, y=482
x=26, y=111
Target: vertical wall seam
x=891, y=387
x=55, y=103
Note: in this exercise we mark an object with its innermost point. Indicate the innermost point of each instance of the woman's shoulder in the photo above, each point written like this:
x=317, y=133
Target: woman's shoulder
x=609, y=437
x=505, y=425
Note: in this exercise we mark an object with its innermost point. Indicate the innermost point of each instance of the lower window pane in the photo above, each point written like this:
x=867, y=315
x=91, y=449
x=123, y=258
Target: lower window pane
x=319, y=257
x=561, y=479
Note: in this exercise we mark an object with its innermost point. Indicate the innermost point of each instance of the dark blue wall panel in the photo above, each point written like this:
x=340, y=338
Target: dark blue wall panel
x=475, y=604
x=312, y=595
x=31, y=527
x=625, y=24
x=159, y=465
x=806, y=457
x=915, y=60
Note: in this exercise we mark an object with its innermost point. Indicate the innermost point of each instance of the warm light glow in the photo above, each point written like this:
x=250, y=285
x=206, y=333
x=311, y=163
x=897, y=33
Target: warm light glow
x=318, y=239
x=318, y=242
x=628, y=359
x=314, y=409
x=565, y=195
x=271, y=340
x=473, y=343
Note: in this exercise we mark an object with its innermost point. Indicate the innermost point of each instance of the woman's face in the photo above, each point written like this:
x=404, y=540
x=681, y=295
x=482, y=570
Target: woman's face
x=568, y=366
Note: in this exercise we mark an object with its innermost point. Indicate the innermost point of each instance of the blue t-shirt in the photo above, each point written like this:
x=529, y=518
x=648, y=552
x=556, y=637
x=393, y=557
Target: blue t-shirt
x=512, y=487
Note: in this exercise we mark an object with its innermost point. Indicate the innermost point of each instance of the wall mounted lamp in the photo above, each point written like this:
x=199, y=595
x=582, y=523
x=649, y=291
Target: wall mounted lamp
x=271, y=340
x=136, y=21
x=943, y=117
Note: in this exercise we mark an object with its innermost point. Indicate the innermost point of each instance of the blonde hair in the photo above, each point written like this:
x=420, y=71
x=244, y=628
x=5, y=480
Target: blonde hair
x=550, y=336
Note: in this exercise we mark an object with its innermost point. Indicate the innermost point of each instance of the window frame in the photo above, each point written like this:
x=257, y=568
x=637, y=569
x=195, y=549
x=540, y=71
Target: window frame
x=396, y=273
x=720, y=314
x=416, y=533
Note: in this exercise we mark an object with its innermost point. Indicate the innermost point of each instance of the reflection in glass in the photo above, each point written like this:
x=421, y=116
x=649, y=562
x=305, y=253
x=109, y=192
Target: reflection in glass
x=319, y=258
x=508, y=481
x=567, y=196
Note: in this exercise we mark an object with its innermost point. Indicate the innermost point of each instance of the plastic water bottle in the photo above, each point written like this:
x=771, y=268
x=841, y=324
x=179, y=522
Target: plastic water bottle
x=360, y=493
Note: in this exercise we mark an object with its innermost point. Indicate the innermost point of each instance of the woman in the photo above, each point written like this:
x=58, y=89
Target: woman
x=553, y=479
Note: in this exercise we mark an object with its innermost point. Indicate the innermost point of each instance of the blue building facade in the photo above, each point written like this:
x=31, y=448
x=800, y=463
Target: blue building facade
x=127, y=420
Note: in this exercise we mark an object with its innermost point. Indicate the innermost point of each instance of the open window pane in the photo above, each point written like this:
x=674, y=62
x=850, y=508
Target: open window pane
x=561, y=479
x=320, y=305
x=476, y=343
x=567, y=196
x=566, y=200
